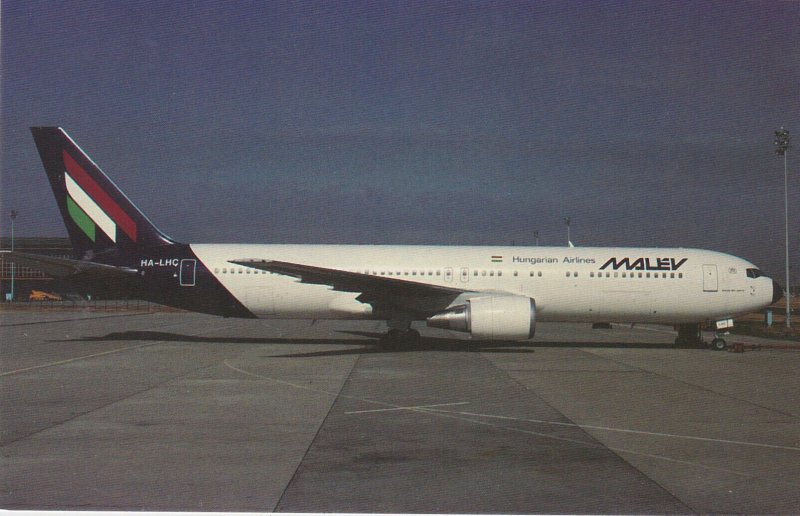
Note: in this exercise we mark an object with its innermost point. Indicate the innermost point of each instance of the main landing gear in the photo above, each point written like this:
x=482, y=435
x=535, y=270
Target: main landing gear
x=400, y=332
x=397, y=334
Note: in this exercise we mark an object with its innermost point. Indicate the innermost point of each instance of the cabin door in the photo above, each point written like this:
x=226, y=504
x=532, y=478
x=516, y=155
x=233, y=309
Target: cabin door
x=710, y=278
x=187, y=275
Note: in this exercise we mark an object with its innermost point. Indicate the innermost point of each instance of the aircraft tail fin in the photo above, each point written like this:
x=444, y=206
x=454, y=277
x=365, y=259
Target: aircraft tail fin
x=98, y=215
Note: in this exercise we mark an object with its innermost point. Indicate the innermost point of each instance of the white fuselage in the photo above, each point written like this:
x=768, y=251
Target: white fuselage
x=568, y=284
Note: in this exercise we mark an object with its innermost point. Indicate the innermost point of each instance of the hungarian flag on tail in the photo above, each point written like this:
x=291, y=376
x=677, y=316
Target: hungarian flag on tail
x=99, y=217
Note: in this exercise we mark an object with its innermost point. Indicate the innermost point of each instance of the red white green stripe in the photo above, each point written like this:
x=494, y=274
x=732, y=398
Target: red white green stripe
x=83, y=220
x=91, y=207
x=90, y=213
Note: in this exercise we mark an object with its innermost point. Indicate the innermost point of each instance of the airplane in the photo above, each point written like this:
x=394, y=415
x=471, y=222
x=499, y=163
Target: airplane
x=491, y=293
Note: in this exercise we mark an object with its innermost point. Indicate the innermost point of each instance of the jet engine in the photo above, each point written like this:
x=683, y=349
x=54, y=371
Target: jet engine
x=491, y=317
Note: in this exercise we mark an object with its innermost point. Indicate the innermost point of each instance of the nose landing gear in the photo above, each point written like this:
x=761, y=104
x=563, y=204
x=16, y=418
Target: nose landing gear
x=690, y=336
x=721, y=328
x=719, y=344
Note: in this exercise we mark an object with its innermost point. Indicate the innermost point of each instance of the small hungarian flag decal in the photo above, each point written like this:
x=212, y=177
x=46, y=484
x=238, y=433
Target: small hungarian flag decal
x=497, y=259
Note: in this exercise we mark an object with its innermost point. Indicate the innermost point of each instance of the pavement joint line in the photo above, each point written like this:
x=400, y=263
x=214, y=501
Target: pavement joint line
x=686, y=382
x=113, y=402
x=75, y=359
x=407, y=408
x=622, y=430
x=291, y=481
x=304, y=387
x=84, y=357
x=392, y=406
x=441, y=413
x=599, y=445
x=76, y=319
x=516, y=380
x=95, y=409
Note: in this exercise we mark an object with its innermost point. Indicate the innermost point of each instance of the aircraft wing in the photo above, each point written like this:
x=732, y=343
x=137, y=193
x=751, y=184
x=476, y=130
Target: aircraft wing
x=66, y=267
x=377, y=290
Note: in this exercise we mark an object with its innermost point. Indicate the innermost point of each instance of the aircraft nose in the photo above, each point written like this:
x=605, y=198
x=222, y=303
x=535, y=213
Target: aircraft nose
x=777, y=291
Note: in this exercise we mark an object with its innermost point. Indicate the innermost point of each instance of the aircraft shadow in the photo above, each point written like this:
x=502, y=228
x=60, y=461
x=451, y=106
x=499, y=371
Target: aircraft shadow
x=374, y=343
x=178, y=337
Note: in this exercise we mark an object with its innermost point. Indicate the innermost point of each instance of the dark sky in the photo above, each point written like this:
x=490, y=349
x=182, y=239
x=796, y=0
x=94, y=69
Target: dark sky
x=647, y=123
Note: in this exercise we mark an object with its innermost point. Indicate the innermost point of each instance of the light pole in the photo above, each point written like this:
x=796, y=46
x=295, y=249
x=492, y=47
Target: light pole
x=13, y=265
x=567, y=222
x=782, y=141
x=536, y=237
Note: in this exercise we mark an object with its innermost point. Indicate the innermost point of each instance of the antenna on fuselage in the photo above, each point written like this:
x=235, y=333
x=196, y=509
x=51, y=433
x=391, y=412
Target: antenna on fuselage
x=568, y=221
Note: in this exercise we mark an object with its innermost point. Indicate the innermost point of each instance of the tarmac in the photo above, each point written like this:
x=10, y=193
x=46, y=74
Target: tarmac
x=174, y=412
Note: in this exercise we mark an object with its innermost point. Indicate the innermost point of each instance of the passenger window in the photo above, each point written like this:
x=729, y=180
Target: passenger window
x=539, y=274
x=591, y=274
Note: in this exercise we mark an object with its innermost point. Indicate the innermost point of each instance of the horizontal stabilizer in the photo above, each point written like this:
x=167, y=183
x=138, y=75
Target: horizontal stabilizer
x=66, y=267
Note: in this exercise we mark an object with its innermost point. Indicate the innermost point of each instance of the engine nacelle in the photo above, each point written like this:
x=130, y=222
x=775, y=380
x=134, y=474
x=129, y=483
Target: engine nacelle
x=491, y=317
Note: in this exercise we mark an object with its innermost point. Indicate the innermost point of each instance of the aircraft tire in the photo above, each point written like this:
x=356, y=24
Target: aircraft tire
x=400, y=337
x=719, y=344
x=412, y=336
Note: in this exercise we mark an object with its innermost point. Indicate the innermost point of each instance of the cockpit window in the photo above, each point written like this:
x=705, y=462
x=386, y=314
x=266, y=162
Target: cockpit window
x=754, y=273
